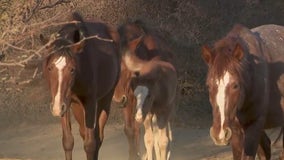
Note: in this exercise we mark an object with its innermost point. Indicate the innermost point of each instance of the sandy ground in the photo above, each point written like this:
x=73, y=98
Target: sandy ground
x=43, y=142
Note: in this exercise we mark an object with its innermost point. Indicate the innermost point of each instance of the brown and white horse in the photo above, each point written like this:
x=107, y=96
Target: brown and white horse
x=150, y=51
x=245, y=88
x=82, y=73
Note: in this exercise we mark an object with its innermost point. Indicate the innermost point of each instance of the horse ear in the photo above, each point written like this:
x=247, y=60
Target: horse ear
x=77, y=47
x=133, y=44
x=206, y=54
x=238, y=52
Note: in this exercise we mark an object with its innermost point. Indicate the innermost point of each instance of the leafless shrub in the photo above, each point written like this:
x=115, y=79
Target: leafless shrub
x=21, y=24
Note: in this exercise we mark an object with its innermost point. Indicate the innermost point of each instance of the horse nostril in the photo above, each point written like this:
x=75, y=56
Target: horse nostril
x=63, y=107
x=228, y=134
x=124, y=99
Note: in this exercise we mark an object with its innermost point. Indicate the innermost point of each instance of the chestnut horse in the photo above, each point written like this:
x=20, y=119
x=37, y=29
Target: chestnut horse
x=147, y=46
x=245, y=84
x=82, y=73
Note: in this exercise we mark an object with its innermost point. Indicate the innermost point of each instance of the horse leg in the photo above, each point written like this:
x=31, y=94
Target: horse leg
x=78, y=112
x=148, y=136
x=251, y=140
x=237, y=143
x=130, y=132
x=163, y=136
x=89, y=143
x=264, y=149
x=164, y=143
x=89, y=140
x=156, y=137
x=102, y=115
x=93, y=136
x=170, y=135
x=137, y=138
x=67, y=139
x=282, y=154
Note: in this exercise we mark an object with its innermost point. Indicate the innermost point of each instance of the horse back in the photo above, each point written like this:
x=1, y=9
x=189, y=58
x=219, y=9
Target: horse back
x=272, y=39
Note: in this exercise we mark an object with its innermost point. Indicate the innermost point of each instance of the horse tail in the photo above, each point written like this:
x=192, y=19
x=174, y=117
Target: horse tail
x=279, y=136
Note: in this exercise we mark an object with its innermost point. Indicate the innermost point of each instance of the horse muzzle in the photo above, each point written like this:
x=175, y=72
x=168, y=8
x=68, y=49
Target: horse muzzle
x=221, y=140
x=58, y=110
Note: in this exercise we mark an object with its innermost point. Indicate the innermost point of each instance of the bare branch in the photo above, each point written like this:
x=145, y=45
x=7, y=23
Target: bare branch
x=33, y=11
x=91, y=37
x=20, y=48
x=23, y=62
x=39, y=6
x=54, y=4
x=20, y=63
x=35, y=72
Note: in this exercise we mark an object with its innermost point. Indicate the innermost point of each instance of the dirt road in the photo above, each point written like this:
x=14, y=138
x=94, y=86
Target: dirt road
x=35, y=142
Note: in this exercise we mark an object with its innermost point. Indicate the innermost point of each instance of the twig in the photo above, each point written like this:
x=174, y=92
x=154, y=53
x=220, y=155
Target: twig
x=91, y=37
x=3, y=70
x=54, y=4
x=20, y=63
x=48, y=21
x=35, y=73
x=100, y=38
x=25, y=82
x=16, y=47
x=23, y=62
x=34, y=9
x=27, y=34
x=38, y=7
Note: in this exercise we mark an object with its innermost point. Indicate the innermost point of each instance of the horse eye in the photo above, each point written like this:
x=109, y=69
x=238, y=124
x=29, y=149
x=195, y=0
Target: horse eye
x=72, y=70
x=236, y=86
x=49, y=69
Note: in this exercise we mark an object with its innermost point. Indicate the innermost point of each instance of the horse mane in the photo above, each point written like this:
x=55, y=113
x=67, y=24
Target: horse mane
x=230, y=40
x=223, y=55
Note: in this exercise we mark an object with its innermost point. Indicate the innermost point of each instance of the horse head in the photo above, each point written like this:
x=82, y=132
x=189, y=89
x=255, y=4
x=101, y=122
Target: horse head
x=59, y=70
x=226, y=79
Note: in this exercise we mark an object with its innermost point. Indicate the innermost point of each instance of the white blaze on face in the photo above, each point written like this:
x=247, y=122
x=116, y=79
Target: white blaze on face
x=221, y=99
x=140, y=93
x=60, y=63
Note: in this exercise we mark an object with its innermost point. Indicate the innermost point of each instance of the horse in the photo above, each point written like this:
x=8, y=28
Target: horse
x=146, y=46
x=245, y=85
x=82, y=70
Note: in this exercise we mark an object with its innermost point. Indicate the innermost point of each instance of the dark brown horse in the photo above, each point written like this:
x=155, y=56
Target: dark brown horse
x=245, y=84
x=82, y=73
x=146, y=45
